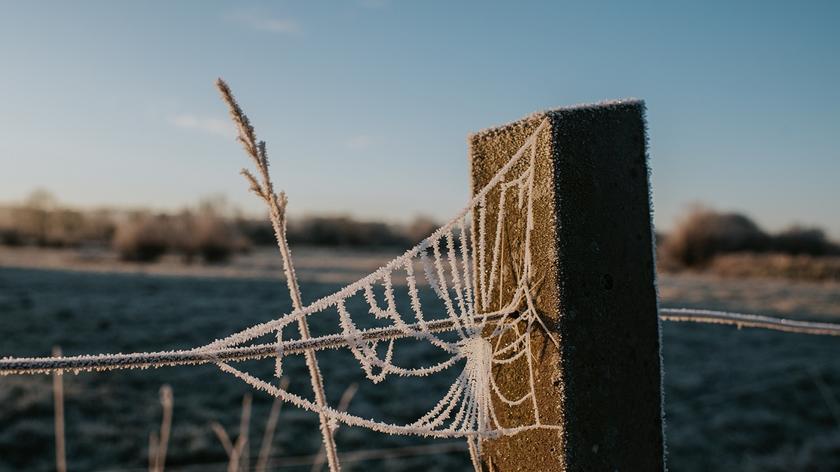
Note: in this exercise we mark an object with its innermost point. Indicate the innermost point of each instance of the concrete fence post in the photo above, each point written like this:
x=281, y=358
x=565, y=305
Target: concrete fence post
x=593, y=244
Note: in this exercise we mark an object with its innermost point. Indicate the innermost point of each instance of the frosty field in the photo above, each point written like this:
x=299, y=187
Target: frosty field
x=734, y=399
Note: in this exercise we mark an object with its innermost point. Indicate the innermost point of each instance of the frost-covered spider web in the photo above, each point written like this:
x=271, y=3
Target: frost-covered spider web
x=476, y=327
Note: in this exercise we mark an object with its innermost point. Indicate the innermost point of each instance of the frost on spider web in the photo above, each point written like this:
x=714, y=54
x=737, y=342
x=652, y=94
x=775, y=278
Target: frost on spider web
x=472, y=322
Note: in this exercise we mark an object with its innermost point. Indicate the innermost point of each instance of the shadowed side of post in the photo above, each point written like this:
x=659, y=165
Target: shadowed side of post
x=593, y=244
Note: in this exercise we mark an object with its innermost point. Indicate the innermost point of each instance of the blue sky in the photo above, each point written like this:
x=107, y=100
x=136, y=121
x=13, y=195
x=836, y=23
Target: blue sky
x=366, y=104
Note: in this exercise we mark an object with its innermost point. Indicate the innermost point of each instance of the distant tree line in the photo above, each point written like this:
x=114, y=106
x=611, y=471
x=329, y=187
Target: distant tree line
x=211, y=231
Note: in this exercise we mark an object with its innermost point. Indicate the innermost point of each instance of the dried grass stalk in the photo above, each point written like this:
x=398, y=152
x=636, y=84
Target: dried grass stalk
x=264, y=188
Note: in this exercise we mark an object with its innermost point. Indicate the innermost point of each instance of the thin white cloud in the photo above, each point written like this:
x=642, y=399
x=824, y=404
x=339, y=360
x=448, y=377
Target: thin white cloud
x=207, y=124
x=286, y=26
x=374, y=3
x=360, y=142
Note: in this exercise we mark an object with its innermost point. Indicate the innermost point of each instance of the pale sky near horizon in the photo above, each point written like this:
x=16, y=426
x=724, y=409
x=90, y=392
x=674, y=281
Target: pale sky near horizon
x=366, y=104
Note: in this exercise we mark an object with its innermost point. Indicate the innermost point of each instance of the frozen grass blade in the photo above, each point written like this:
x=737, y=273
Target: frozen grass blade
x=270, y=427
x=58, y=402
x=237, y=452
x=157, y=461
x=239, y=459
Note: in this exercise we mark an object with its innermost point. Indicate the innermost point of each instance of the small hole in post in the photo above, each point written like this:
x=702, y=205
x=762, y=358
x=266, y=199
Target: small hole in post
x=607, y=281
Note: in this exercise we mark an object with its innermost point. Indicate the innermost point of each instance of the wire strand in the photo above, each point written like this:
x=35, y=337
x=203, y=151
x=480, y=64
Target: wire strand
x=744, y=320
x=45, y=365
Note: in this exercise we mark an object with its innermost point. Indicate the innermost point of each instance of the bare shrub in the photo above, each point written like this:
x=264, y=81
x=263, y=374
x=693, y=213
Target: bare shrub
x=704, y=233
x=208, y=236
x=32, y=218
x=10, y=235
x=143, y=237
x=704, y=236
x=65, y=227
x=798, y=240
x=208, y=232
